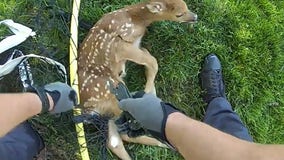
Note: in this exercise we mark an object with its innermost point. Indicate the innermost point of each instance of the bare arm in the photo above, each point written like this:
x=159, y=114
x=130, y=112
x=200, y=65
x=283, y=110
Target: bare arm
x=17, y=107
x=197, y=140
x=193, y=139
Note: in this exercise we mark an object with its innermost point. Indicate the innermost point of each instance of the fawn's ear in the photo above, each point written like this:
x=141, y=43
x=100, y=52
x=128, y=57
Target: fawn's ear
x=156, y=7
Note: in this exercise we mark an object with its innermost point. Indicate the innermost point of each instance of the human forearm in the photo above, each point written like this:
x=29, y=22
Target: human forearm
x=54, y=97
x=196, y=140
x=268, y=152
x=193, y=139
x=17, y=107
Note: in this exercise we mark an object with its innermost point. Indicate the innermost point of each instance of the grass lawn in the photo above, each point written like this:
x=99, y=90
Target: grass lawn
x=247, y=35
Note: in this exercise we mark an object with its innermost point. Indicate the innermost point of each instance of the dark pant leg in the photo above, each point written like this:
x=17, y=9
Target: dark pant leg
x=22, y=143
x=219, y=114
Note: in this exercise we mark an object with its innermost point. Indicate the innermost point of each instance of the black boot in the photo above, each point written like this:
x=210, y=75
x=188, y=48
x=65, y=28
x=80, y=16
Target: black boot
x=211, y=79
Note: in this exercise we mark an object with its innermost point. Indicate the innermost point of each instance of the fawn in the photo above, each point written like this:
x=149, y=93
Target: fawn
x=113, y=40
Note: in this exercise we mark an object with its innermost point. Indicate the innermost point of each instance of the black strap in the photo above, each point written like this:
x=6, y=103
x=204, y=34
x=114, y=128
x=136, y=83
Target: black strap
x=42, y=96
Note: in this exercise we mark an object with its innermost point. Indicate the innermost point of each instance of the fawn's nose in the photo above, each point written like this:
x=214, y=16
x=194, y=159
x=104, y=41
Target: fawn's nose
x=192, y=17
x=195, y=17
x=189, y=17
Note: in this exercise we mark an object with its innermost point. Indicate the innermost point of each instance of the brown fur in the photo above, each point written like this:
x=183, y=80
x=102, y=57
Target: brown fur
x=113, y=40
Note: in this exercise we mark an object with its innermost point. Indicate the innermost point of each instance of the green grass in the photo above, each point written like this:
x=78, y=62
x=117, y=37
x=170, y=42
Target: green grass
x=247, y=35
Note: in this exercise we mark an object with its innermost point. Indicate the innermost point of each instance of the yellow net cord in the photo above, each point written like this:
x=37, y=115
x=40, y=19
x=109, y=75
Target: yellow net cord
x=74, y=76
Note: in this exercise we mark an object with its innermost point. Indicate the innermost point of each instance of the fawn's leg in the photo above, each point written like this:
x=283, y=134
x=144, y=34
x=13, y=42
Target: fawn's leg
x=115, y=143
x=143, y=140
x=132, y=53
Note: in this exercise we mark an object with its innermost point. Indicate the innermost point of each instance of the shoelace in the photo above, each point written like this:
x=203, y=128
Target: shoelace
x=214, y=79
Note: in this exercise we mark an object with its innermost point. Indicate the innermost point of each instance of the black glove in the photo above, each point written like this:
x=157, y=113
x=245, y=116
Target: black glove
x=150, y=112
x=63, y=96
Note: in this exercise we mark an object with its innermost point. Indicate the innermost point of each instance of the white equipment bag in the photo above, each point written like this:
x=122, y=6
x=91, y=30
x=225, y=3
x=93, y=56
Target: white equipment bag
x=21, y=33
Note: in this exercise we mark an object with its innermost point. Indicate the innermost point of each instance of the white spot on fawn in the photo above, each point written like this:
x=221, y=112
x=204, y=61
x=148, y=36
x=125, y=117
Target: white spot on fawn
x=114, y=141
x=107, y=86
x=92, y=99
x=101, y=45
x=86, y=81
x=128, y=24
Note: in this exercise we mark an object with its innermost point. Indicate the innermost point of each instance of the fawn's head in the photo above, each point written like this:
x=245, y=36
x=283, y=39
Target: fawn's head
x=174, y=10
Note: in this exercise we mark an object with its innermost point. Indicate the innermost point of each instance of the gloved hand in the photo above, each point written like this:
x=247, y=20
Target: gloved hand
x=150, y=112
x=63, y=96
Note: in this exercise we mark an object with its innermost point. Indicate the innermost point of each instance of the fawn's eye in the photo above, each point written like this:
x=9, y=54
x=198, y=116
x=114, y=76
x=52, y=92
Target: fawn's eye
x=180, y=15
